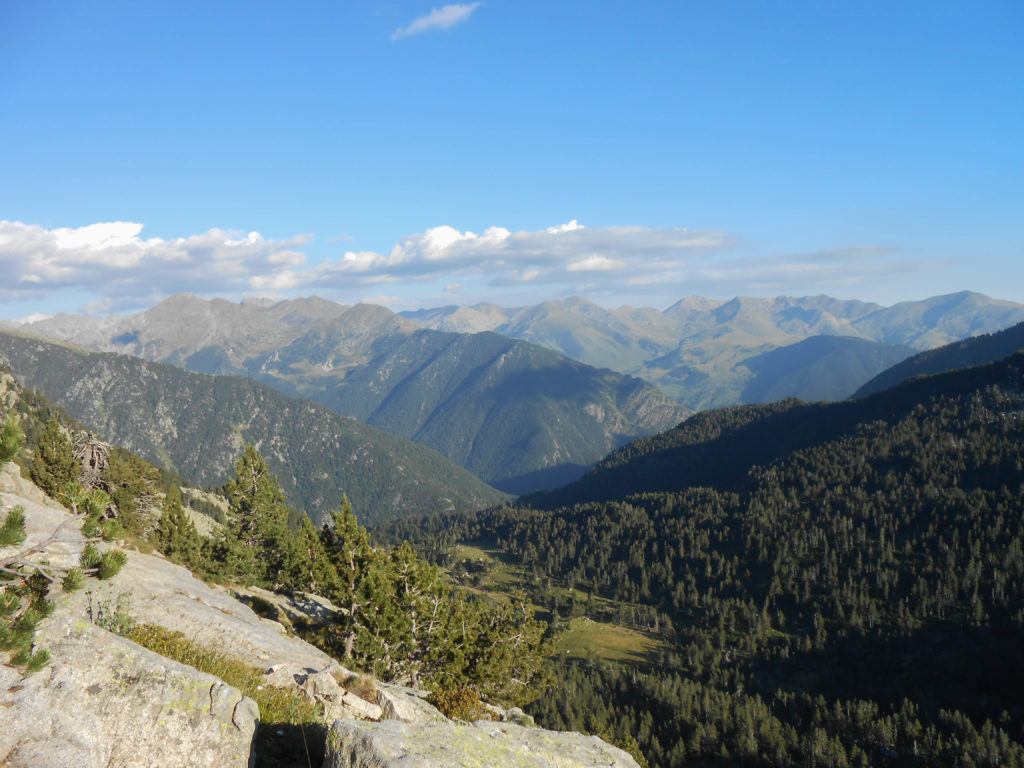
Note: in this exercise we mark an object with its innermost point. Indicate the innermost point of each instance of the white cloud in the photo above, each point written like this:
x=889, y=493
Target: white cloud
x=35, y=317
x=382, y=300
x=568, y=227
x=110, y=261
x=439, y=18
x=503, y=257
x=112, y=267
x=593, y=263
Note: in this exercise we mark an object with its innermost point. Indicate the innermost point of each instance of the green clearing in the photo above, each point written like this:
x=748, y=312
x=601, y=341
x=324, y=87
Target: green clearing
x=588, y=639
x=481, y=568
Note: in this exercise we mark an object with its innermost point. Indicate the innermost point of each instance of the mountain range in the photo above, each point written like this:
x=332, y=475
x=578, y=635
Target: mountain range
x=518, y=415
x=708, y=353
x=529, y=398
x=197, y=426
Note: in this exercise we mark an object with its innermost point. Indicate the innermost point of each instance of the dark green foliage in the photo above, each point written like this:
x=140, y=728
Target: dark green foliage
x=403, y=621
x=176, y=534
x=975, y=351
x=681, y=722
x=90, y=557
x=310, y=568
x=259, y=521
x=54, y=465
x=74, y=580
x=855, y=597
x=104, y=565
x=94, y=503
x=12, y=532
x=11, y=437
x=111, y=563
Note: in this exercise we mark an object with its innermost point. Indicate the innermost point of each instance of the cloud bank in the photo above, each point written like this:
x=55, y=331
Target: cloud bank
x=439, y=18
x=115, y=268
x=112, y=263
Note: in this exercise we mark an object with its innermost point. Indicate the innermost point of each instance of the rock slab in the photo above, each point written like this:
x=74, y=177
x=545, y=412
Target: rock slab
x=396, y=744
x=105, y=702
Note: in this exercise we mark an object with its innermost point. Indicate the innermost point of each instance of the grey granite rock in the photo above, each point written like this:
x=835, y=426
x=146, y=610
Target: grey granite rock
x=394, y=744
x=106, y=702
x=407, y=705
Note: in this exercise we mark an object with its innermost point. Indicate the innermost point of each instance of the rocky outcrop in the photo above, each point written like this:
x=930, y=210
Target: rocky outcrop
x=103, y=700
x=325, y=687
x=395, y=744
x=407, y=705
x=106, y=702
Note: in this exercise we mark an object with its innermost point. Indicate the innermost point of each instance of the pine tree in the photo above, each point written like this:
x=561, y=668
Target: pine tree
x=310, y=569
x=54, y=465
x=11, y=438
x=348, y=549
x=176, y=533
x=259, y=520
x=131, y=483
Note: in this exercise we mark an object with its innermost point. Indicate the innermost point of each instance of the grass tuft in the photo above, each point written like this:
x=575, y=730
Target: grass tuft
x=291, y=730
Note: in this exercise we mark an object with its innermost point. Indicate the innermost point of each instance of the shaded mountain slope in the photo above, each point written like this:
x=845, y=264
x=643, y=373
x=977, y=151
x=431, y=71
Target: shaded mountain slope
x=197, y=426
x=975, y=351
x=516, y=414
x=818, y=368
x=718, y=448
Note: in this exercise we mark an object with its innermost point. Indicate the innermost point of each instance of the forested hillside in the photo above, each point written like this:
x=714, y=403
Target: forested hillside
x=961, y=354
x=848, y=589
x=196, y=425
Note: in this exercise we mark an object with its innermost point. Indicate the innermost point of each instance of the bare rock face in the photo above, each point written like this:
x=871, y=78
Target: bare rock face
x=106, y=702
x=322, y=686
x=395, y=744
x=407, y=705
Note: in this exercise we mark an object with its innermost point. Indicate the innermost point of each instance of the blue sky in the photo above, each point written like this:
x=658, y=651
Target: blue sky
x=418, y=154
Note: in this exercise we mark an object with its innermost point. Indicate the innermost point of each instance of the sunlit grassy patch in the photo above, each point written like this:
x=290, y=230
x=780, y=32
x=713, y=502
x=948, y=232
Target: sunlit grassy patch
x=588, y=639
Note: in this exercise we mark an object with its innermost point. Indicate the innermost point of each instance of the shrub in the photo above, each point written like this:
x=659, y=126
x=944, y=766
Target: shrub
x=459, y=702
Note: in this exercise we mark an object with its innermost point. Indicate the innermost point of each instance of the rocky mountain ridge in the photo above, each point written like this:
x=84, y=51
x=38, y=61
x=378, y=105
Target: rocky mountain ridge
x=705, y=352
